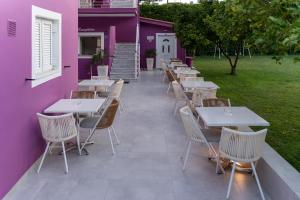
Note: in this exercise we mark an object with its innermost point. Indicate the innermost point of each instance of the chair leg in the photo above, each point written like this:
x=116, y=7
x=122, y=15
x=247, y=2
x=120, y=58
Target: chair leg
x=169, y=88
x=231, y=179
x=175, y=107
x=114, y=132
x=78, y=144
x=44, y=156
x=87, y=140
x=187, y=155
x=257, y=180
x=65, y=157
x=111, y=142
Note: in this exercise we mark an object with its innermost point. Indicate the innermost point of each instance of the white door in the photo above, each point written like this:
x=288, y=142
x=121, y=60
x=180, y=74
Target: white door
x=166, y=48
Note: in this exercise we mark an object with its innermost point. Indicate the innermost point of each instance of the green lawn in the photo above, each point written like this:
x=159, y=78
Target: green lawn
x=269, y=89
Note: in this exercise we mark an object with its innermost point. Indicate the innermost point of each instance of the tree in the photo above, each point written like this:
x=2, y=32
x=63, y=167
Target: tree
x=231, y=24
x=276, y=26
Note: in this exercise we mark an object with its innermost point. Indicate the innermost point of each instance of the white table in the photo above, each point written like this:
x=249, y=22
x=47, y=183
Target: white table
x=190, y=72
x=95, y=83
x=230, y=116
x=194, y=84
x=174, y=65
x=76, y=106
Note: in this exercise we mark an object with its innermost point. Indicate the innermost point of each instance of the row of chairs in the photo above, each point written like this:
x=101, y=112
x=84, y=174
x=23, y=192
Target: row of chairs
x=235, y=145
x=62, y=128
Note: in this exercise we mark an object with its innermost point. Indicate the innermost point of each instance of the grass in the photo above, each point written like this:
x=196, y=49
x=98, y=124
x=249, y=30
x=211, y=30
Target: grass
x=269, y=89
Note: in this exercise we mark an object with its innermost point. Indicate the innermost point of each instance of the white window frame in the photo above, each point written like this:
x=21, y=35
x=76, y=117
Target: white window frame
x=89, y=34
x=38, y=13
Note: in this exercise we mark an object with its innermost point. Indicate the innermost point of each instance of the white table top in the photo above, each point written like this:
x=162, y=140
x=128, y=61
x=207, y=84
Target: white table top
x=75, y=106
x=230, y=116
x=199, y=84
x=106, y=83
x=187, y=72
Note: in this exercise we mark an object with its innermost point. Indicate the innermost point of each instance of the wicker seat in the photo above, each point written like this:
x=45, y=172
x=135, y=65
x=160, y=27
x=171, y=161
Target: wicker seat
x=105, y=121
x=242, y=147
x=57, y=129
x=196, y=134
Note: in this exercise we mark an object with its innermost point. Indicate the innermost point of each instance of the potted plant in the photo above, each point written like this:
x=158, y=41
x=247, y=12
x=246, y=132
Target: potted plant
x=150, y=55
x=97, y=59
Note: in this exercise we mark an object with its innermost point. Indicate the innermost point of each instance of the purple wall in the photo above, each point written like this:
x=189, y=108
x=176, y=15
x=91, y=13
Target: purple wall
x=21, y=141
x=125, y=31
x=147, y=29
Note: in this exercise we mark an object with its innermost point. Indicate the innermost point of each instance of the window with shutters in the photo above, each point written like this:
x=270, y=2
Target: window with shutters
x=46, y=45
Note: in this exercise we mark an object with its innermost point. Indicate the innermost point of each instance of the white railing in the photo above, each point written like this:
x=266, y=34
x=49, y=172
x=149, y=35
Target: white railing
x=107, y=3
x=137, y=53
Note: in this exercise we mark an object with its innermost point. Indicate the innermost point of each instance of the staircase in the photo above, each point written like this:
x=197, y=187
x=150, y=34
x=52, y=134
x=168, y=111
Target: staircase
x=124, y=63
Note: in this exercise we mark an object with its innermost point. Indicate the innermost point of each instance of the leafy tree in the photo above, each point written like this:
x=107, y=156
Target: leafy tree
x=276, y=26
x=231, y=25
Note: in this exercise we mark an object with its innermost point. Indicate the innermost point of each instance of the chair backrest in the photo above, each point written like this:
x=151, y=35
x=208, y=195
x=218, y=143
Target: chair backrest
x=170, y=75
x=99, y=78
x=200, y=94
x=102, y=70
x=242, y=146
x=82, y=95
x=109, y=115
x=57, y=128
x=191, y=126
x=178, y=91
x=117, y=89
x=216, y=102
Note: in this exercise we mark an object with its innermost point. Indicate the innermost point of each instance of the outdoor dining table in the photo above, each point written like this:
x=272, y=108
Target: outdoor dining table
x=187, y=73
x=97, y=83
x=241, y=117
x=76, y=106
x=195, y=84
x=230, y=116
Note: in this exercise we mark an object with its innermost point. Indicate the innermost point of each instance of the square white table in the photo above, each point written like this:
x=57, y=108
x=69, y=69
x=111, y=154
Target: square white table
x=94, y=83
x=198, y=84
x=76, y=106
x=190, y=72
x=230, y=116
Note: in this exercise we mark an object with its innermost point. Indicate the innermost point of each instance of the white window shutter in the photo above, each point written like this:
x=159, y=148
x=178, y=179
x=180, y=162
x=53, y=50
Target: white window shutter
x=47, y=45
x=37, y=47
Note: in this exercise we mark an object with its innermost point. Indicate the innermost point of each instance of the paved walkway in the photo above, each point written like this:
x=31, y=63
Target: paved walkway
x=147, y=164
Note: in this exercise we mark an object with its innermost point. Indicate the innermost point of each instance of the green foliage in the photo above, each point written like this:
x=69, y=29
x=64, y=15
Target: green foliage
x=270, y=90
x=276, y=26
x=150, y=53
x=98, y=58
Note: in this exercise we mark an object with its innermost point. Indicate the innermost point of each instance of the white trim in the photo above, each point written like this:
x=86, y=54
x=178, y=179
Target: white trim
x=106, y=15
x=89, y=34
x=38, y=12
x=156, y=44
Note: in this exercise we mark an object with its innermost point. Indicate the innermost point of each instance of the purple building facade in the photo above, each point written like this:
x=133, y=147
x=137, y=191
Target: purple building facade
x=22, y=143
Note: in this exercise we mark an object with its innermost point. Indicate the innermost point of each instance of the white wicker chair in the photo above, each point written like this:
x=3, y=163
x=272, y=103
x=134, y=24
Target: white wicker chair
x=243, y=147
x=179, y=95
x=200, y=94
x=57, y=129
x=102, y=70
x=116, y=93
x=196, y=135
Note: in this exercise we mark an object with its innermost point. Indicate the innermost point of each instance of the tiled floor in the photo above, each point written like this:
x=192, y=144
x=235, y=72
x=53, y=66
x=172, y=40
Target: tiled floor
x=147, y=164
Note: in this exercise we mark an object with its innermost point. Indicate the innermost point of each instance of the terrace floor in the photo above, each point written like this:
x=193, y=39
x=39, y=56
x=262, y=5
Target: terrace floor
x=147, y=164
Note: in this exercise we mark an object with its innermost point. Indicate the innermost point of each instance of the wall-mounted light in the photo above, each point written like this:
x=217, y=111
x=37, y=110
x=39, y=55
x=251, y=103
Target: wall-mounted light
x=150, y=38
